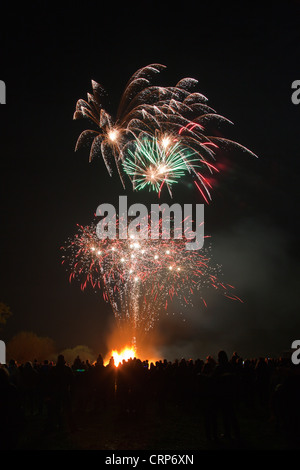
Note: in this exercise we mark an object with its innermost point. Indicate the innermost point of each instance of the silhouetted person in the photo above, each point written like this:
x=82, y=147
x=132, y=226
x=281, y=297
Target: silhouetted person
x=262, y=381
x=137, y=391
x=62, y=380
x=208, y=400
x=28, y=386
x=11, y=416
x=14, y=372
x=159, y=386
x=98, y=384
x=44, y=386
x=110, y=381
x=225, y=383
x=247, y=384
x=99, y=361
x=77, y=364
x=286, y=407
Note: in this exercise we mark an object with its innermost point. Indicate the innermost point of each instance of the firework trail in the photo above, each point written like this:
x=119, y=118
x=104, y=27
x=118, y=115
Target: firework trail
x=139, y=277
x=174, y=119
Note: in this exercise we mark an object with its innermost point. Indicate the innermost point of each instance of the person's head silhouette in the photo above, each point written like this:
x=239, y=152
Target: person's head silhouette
x=222, y=357
x=60, y=360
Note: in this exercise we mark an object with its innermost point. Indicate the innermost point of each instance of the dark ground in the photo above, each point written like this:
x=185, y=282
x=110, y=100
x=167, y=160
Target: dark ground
x=161, y=407
x=178, y=430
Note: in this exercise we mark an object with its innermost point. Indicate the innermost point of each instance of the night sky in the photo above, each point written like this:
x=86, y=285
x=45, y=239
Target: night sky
x=245, y=60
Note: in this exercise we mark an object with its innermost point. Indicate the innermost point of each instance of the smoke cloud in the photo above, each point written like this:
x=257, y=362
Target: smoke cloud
x=257, y=258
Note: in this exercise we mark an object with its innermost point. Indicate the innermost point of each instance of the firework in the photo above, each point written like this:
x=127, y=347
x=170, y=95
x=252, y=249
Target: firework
x=155, y=162
x=140, y=276
x=178, y=128
x=175, y=119
x=112, y=134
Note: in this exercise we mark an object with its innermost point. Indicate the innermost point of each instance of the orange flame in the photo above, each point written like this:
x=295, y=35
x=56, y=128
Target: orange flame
x=123, y=355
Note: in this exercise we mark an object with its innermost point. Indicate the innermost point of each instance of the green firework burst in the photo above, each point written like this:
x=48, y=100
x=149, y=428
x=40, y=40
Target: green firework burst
x=153, y=162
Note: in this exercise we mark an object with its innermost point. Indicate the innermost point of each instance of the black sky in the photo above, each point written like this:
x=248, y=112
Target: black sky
x=245, y=59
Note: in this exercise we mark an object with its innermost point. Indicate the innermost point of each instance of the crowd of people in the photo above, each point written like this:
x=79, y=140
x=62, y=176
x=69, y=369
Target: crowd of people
x=216, y=387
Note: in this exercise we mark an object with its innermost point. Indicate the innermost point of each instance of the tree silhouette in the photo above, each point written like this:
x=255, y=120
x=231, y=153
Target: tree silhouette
x=27, y=346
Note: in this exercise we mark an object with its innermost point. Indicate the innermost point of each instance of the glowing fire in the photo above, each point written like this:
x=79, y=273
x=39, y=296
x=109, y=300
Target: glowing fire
x=123, y=355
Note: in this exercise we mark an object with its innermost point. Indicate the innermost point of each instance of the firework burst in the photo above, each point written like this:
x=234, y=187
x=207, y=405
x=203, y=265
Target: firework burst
x=154, y=162
x=139, y=277
x=173, y=118
x=111, y=135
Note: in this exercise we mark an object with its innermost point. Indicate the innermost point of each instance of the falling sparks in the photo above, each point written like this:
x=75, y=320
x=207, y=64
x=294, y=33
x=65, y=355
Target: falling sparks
x=141, y=278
